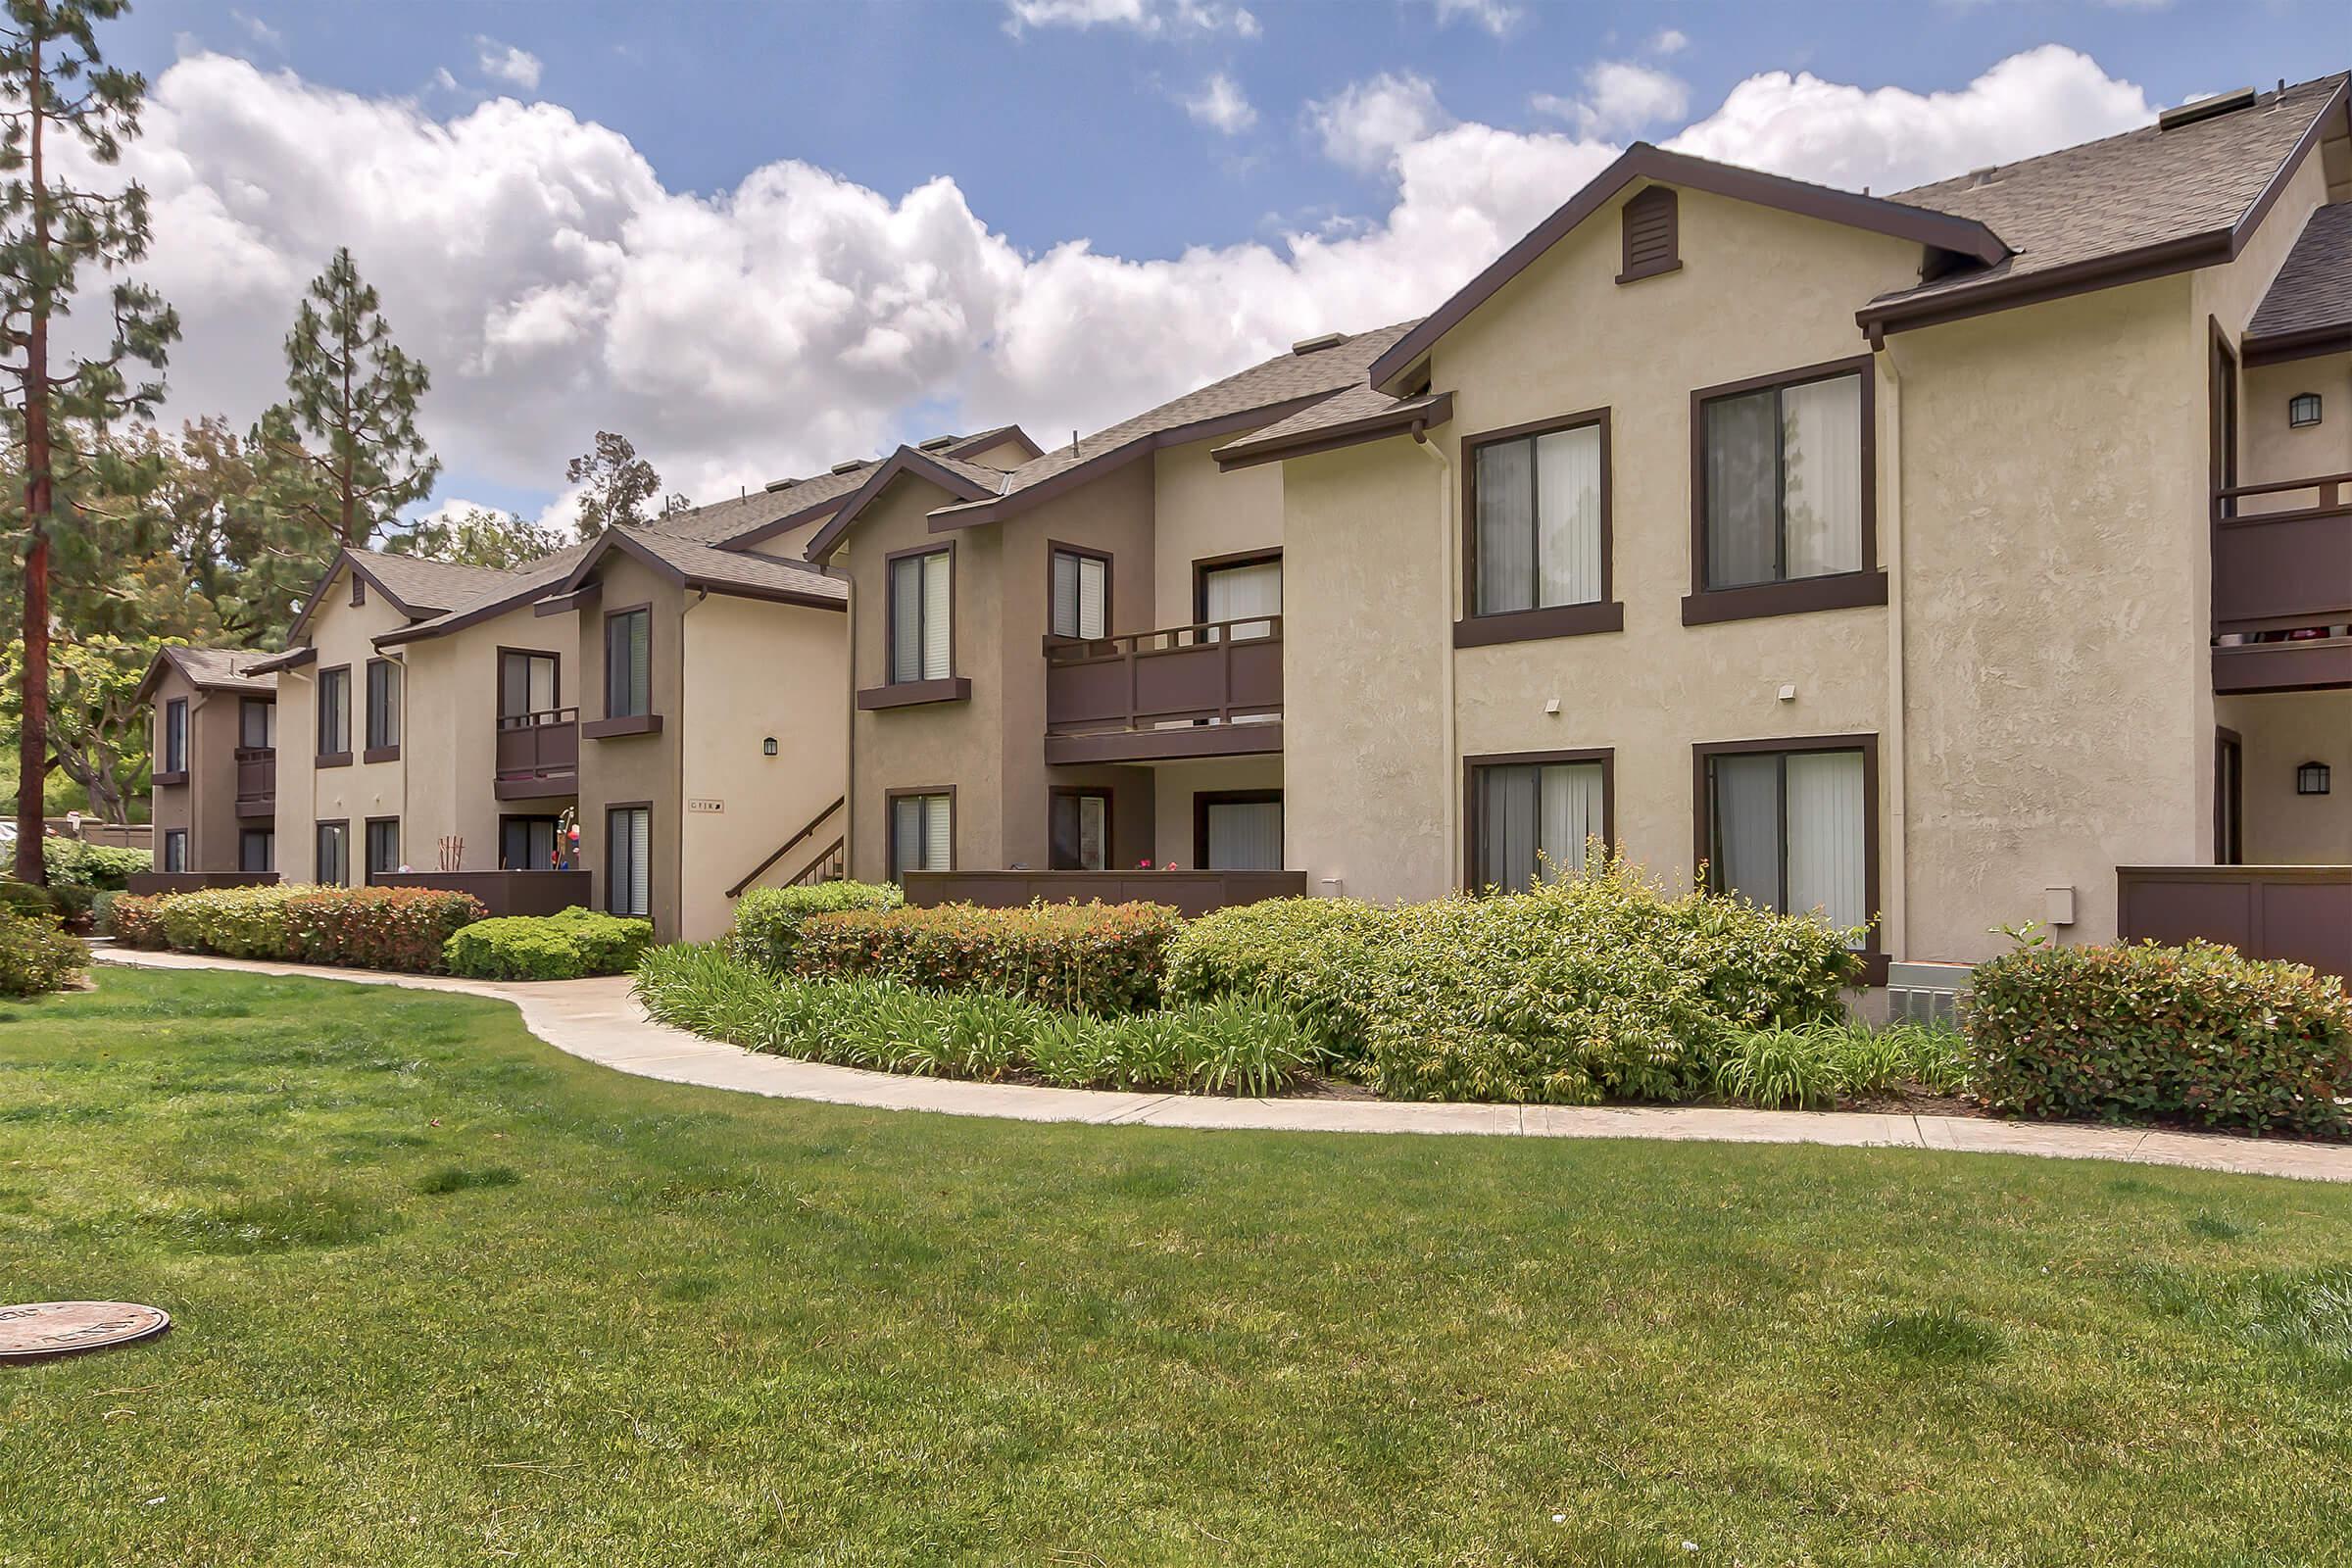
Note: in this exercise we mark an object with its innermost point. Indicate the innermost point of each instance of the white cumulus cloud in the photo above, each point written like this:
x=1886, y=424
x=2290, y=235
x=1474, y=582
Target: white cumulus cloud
x=1154, y=19
x=1221, y=105
x=1495, y=15
x=1619, y=97
x=1670, y=41
x=506, y=62
x=1366, y=123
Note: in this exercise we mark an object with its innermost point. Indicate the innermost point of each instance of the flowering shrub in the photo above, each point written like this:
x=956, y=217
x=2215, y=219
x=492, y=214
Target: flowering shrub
x=768, y=923
x=1595, y=986
x=136, y=920
x=2128, y=1033
x=563, y=946
x=38, y=957
x=1096, y=957
x=368, y=928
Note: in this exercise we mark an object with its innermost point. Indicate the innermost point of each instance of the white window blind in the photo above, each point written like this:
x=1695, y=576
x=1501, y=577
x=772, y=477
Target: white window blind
x=629, y=871
x=1235, y=592
x=1244, y=835
x=921, y=834
x=1821, y=467
x=1535, y=818
x=1080, y=583
x=937, y=642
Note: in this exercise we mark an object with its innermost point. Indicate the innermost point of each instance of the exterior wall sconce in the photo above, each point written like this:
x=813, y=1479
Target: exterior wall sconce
x=767, y=746
x=2303, y=408
x=2312, y=778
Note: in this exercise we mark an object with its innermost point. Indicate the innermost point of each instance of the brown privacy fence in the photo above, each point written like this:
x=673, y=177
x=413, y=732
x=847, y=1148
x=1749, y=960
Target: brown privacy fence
x=501, y=891
x=2302, y=913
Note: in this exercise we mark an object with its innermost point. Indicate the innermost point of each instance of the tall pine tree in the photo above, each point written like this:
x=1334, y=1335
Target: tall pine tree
x=55, y=84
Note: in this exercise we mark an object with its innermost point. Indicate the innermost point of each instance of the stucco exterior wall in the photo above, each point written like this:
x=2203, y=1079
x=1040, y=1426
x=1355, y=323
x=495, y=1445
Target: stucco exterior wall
x=205, y=808
x=1203, y=513
x=306, y=794
x=754, y=669
x=626, y=768
x=1178, y=783
x=2269, y=449
x=2279, y=732
x=453, y=731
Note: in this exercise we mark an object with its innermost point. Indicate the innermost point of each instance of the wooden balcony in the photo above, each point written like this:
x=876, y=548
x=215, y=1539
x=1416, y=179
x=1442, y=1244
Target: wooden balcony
x=257, y=781
x=1192, y=893
x=539, y=755
x=1210, y=689
x=2302, y=913
x=2283, y=562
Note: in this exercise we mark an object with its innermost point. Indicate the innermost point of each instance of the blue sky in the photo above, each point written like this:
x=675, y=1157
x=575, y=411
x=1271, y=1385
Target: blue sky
x=1050, y=133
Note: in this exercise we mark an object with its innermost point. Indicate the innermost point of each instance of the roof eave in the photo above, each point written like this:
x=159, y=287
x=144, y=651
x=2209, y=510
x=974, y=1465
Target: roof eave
x=1353, y=432
x=904, y=461
x=2304, y=343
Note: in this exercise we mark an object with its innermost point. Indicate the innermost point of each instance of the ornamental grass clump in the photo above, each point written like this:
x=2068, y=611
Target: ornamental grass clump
x=1093, y=957
x=1590, y=987
x=2196, y=1034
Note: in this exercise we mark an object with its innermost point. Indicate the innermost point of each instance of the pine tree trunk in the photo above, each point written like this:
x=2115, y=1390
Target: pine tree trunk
x=33, y=749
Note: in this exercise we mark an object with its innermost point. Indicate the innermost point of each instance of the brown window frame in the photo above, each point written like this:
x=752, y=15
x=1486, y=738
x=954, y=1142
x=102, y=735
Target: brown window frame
x=889, y=825
x=339, y=675
x=317, y=837
x=499, y=696
x=1874, y=951
x=268, y=836
x=174, y=836
x=175, y=743
x=952, y=688
x=388, y=752
x=1054, y=548
x=645, y=610
x=647, y=806
x=1649, y=199
x=1472, y=819
x=1478, y=629
x=369, y=872
x=1101, y=792
x=1203, y=800
x=1206, y=567
x=247, y=707
x=1844, y=590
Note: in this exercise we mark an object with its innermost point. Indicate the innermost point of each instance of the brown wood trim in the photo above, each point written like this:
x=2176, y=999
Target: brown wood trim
x=1847, y=590
x=2280, y=348
x=367, y=873
x=1172, y=744
x=344, y=823
x=889, y=825
x=785, y=847
x=914, y=693
x=1605, y=756
x=1203, y=800
x=1110, y=805
x=1053, y=547
x=318, y=684
x=2225, y=422
x=847, y=509
x=1874, y=951
x=331, y=759
x=582, y=597
x=1696, y=608
x=1470, y=446
x=603, y=654
x=889, y=611
x=380, y=753
x=498, y=678
x=1640, y=207
x=761, y=592
x=1414, y=415
x=1202, y=566
x=605, y=729
x=1534, y=625
x=178, y=775
x=2229, y=813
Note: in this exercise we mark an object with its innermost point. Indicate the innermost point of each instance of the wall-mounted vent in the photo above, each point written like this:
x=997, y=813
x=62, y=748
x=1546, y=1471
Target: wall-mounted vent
x=1650, y=226
x=2189, y=113
x=850, y=466
x=1926, y=993
x=1316, y=345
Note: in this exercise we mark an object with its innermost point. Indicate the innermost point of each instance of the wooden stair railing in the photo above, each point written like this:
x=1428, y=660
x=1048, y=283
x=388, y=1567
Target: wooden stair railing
x=830, y=865
x=785, y=847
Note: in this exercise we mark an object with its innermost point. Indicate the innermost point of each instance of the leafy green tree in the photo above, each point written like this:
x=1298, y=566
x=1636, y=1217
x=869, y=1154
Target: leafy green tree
x=96, y=731
x=619, y=484
x=481, y=537
x=343, y=454
x=55, y=83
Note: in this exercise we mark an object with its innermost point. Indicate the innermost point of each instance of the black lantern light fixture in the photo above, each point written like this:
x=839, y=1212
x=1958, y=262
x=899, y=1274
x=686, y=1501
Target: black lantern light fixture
x=2312, y=778
x=2303, y=408
x=767, y=746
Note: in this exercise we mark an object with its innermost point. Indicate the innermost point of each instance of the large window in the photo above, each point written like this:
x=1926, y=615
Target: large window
x=1238, y=830
x=1531, y=816
x=1236, y=589
x=1081, y=593
x=176, y=735
x=333, y=859
x=1080, y=830
x=175, y=849
x=334, y=714
x=1540, y=509
x=257, y=850
x=923, y=831
x=1792, y=826
x=383, y=846
x=384, y=710
x=257, y=724
x=629, y=663
x=527, y=843
x=1784, y=480
x=528, y=683
x=921, y=615
x=629, y=861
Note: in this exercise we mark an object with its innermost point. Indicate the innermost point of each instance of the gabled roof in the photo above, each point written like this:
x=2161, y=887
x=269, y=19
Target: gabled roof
x=808, y=500
x=2143, y=203
x=691, y=564
x=2309, y=308
x=210, y=669
x=1343, y=419
x=1953, y=235
x=416, y=586
x=519, y=586
x=967, y=481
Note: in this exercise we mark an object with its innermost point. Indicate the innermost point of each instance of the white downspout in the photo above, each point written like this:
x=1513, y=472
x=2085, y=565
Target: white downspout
x=1895, y=937
x=1449, y=725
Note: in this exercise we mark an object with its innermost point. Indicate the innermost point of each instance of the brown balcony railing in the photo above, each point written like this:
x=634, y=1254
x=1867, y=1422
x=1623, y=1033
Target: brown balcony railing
x=2282, y=563
x=257, y=781
x=1202, y=690
x=538, y=754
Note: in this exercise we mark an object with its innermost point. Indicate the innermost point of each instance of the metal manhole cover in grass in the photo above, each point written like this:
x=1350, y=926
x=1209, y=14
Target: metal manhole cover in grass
x=33, y=1331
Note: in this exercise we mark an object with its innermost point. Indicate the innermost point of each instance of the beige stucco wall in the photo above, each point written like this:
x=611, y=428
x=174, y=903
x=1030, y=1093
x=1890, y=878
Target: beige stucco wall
x=2279, y=732
x=452, y=745
x=1203, y=512
x=205, y=808
x=2269, y=449
x=633, y=768
x=754, y=669
x=1179, y=782
x=308, y=795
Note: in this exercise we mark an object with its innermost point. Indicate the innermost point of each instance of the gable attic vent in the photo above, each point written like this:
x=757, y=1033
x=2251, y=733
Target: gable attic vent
x=1315, y=344
x=937, y=443
x=2189, y=113
x=1649, y=228
x=774, y=485
x=850, y=466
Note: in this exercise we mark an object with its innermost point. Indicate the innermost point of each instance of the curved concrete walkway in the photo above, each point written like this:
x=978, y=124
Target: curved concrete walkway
x=600, y=1022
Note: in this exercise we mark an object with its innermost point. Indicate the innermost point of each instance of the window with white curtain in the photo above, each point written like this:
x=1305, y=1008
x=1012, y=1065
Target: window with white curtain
x=1240, y=832
x=1538, y=502
x=1081, y=594
x=629, y=861
x=527, y=683
x=1784, y=482
x=922, y=833
x=1239, y=591
x=334, y=712
x=1533, y=820
x=1790, y=831
x=920, y=642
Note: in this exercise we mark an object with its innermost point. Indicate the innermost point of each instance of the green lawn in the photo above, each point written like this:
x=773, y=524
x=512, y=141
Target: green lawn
x=446, y=1296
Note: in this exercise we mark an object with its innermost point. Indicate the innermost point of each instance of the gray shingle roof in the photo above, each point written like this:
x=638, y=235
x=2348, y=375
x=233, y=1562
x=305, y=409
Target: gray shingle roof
x=1357, y=408
x=2313, y=291
x=424, y=584
x=223, y=668
x=2122, y=193
x=705, y=565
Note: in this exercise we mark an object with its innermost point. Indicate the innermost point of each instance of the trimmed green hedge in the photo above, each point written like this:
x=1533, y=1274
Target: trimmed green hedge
x=74, y=864
x=366, y=928
x=768, y=921
x=38, y=957
x=1093, y=957
x=1223, y=1048
x=1590, y=988
x=563, y=946
x=2134, y=1033
x=136, y=920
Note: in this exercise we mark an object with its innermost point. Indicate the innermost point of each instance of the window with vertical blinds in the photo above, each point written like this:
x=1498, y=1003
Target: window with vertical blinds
x=1081, y=595
x=176, y=735
x=526, y=842
x=334, y=712
x=1238, y=592
x=257, y=850
x=628, y=664
x=526, y=683
x=383, y=846
x=1539, y=535
x=1790, y=831
x=383, y=704
x=629, y=861
x=257, y=724
x=175, y=849
x=922, y=833
x=1241, y=834
x=1533, y=821
x=920, y=642
x=332, y=865
x=1783, y=476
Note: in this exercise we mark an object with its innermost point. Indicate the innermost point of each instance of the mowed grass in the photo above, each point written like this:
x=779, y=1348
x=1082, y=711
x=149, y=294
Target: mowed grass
x=445, y=1296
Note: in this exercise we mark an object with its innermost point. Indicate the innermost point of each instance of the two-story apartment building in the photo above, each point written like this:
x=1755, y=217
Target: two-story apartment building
x=213, y=750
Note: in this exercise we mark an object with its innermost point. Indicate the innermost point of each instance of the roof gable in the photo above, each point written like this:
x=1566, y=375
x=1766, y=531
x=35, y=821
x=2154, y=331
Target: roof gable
x=961, y=480
x=705, y=568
